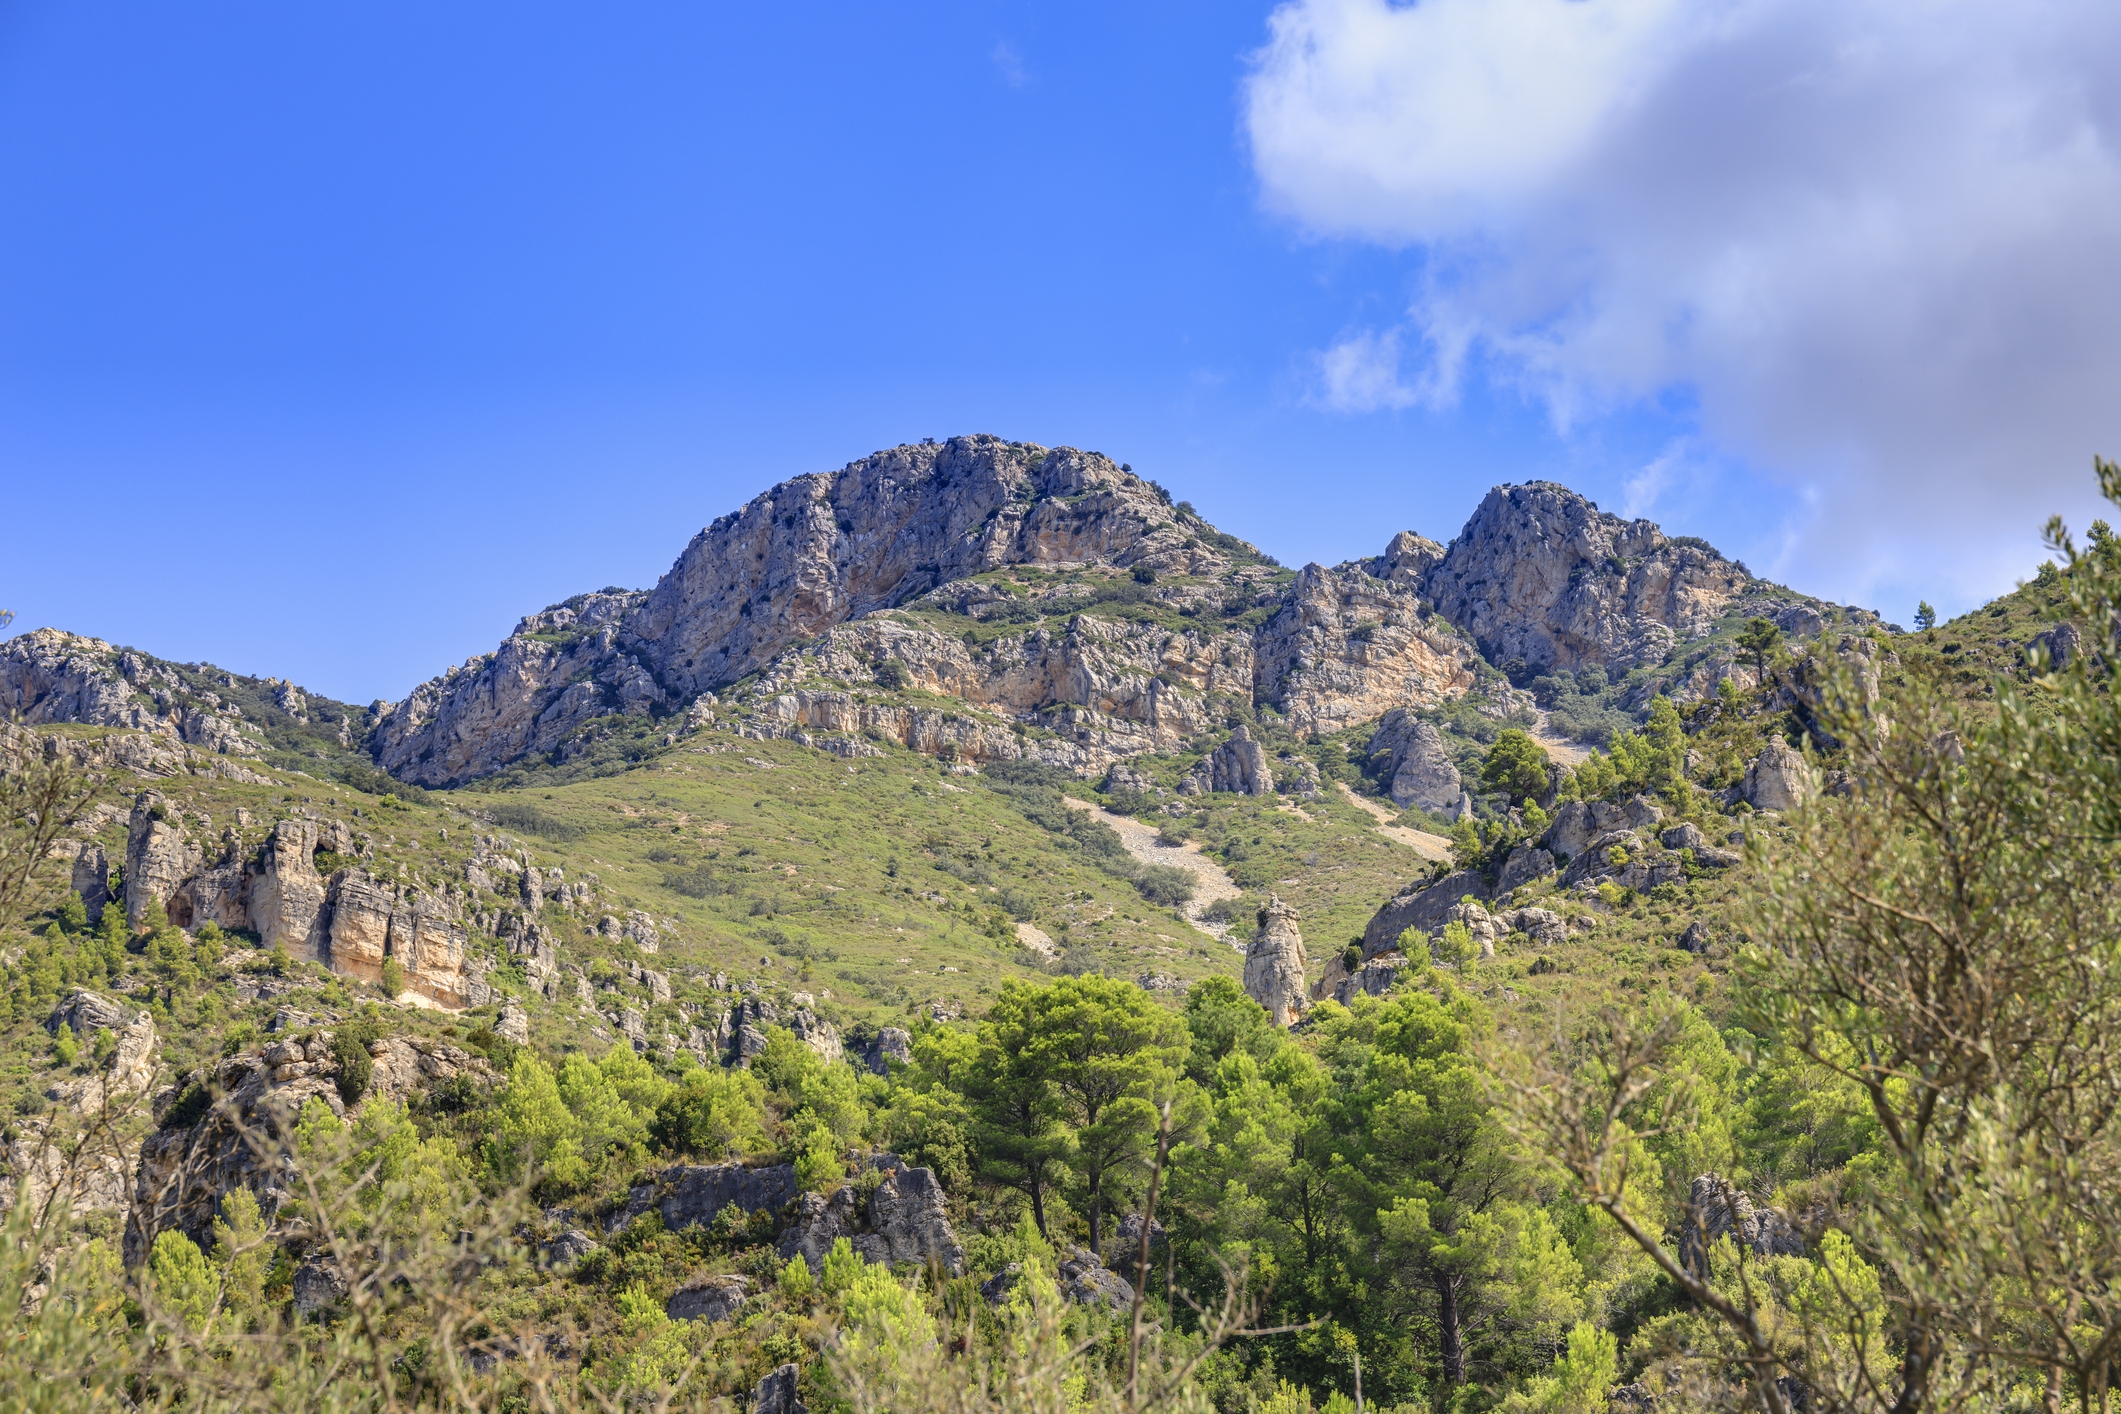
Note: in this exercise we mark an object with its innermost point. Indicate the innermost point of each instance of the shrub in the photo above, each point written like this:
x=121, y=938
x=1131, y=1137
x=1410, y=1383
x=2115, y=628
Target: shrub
x=530, y=820
x=355, y=1067
x=393, y=977
x=1165, y=884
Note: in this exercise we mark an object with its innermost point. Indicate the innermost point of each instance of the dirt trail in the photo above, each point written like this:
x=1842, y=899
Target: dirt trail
x=1209, y=881
x=1563, y=751
x=1426, y=845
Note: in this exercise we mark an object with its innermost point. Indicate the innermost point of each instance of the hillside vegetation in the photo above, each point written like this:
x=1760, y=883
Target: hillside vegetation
x=1762, y=1057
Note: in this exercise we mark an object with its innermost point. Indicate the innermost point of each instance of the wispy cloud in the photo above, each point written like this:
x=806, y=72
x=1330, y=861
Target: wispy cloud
x=1009, y=64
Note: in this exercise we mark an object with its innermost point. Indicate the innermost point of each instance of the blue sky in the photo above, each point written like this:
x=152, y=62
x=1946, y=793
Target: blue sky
x=334, y=338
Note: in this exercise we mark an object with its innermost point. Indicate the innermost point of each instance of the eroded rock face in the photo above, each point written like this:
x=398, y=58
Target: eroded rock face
x=158, y=858
x=1425, y=909
x=905, y=1221
x=370, y=919
x=1275, y=964
x=1542, y=575
x=288, y=895
x=802, y=558
x=1418, y=764
x=91, y=880
x=1717, y=1209
x=1240, y=766
x=1349, y=647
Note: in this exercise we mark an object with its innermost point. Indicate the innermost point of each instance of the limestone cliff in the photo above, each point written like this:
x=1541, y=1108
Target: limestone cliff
x=1541, y=575
x=803, y=558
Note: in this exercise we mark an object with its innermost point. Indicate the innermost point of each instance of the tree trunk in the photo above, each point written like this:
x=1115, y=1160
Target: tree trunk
x=1038, y=1207
x=1097, y=1217
x=1454, y=1350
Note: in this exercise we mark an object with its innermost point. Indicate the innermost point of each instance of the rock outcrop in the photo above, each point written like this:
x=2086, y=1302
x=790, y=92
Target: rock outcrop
x=288, y=895
x=802, y=558
x=1416, y=762
x=1542, y=576
x=1424, y=908
x=903, y=1220
x=1717, y=1209
x=369, y=920
x=1240, y=766
x=91, y=880
x=1348, y=647
x=1779, y=778
x=158, y=858
x=131, y=1067
x=708, y=1299
x=1275, y=963
x=689, y=1195
x=778, y=1393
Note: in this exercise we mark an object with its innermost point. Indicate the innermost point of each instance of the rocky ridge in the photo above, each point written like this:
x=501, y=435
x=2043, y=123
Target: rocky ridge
x=825, y=611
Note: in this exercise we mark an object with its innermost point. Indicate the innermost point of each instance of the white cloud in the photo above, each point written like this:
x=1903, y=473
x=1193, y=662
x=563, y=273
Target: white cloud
x=1879, y=240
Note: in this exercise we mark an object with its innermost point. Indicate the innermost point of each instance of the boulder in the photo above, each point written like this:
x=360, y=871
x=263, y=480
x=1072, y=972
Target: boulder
x=1571, y=831
x=1686, y=836
x=1779, y=778
x=1418, y=764
x=1424, y=908
x=1239, y=766
x=1695, y=939
x=513, y=1024
x=1526, y=864
x=1275, y=963
x=708, y=1299
x=903, y=1220
x=1086, y=1281
x=318, y=1285
x=1130, y=1233
x=570, y=1246
x=777, y=1394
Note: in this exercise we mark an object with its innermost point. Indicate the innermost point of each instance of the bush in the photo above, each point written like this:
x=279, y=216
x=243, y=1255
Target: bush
x=351, y=1053
x=530, y=820
x=1165, y=884
x=891, y=675
x=697, y=882
x=394, y=979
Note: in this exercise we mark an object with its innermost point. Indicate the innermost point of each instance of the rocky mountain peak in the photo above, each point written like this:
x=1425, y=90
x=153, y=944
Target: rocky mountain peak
x=1541, y=576
x=793, y=563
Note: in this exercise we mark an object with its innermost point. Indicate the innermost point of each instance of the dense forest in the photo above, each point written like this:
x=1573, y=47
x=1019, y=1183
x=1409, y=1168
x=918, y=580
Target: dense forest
x=1876, y=1166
